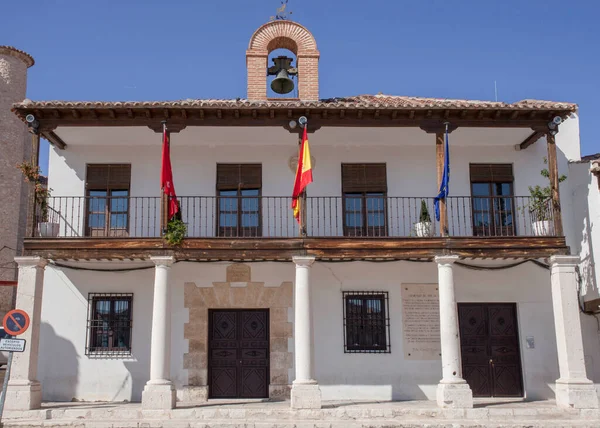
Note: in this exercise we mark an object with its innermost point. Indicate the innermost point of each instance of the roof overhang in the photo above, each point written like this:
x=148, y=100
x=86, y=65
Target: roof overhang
x=430, y=116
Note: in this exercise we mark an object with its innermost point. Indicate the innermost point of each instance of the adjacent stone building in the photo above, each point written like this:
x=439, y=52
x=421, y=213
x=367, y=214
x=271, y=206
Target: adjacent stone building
x=14, y=148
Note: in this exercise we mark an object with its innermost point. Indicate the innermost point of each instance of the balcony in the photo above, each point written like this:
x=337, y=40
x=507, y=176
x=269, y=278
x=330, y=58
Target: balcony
x=271, y=217
x=263, y=227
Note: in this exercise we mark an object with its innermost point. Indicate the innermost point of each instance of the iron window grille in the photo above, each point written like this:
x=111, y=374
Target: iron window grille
x=366, y=322
x=109, y=324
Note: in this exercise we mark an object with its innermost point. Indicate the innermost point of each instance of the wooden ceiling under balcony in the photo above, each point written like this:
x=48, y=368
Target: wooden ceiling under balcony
x=261, y=249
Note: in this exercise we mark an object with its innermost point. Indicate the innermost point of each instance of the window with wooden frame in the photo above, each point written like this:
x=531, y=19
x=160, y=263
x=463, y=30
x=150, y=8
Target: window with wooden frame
x=492, y=195
x=364, y=194
x=366, y=322
x=107, y=199
x=109, y=324
x=238, y=200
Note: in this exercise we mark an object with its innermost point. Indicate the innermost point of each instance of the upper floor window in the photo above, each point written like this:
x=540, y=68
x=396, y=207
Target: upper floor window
x=364, y=191
x=109, y=324
x=238, y=200
x=107, y=199
x=493, y=202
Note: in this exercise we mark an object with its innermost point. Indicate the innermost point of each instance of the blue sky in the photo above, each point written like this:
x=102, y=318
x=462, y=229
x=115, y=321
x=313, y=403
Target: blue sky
x=159, y=49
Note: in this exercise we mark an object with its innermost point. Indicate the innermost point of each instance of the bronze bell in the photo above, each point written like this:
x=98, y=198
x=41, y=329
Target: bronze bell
x=282, y=84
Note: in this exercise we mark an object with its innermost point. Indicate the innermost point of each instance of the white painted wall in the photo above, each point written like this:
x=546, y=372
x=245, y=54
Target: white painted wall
x=584, y=194
x=585, y=201
x=410, y=157
x=410, y=165
x=408, y=153
x=66, y=372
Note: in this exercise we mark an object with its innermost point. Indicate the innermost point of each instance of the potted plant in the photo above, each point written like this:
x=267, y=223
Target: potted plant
x=175, y=233
x=31, y=174
x=424, y=228
x=540, y=205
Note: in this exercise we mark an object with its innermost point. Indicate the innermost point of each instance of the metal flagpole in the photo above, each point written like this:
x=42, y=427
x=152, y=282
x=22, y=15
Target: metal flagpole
x=300, y=197
x=164, y=200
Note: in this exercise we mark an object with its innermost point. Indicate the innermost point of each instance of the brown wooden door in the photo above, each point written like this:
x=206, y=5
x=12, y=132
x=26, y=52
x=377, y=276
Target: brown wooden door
x=489, y=339
x=238, y=353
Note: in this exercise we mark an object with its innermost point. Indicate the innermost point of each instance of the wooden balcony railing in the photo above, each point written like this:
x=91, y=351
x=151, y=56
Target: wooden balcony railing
x=271, y=217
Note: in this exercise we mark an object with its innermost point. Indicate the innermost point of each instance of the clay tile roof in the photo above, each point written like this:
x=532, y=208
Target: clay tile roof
x=396, y=101
x=357, y=102
x=17, y=53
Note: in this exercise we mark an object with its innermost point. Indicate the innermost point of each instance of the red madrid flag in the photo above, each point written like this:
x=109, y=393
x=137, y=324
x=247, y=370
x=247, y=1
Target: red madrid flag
x=303, y=174
x=166, y=175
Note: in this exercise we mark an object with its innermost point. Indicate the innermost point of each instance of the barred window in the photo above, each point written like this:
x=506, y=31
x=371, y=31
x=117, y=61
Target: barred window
x=109, y=324
x=366, y=322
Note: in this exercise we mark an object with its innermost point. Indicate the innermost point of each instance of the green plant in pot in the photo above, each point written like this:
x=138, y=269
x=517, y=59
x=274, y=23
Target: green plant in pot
x=31, y=174
x=540, y=204
x=424, y=228
x=176, y=230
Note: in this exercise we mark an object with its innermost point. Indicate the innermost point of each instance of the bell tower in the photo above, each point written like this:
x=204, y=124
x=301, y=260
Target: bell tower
x=283, y=34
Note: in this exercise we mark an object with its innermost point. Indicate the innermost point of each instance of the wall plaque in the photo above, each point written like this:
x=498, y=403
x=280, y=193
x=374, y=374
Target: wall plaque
x=421, y=321
x=238, y=272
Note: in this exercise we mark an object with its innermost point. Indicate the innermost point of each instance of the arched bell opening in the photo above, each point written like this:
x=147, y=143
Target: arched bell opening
x=282, y=74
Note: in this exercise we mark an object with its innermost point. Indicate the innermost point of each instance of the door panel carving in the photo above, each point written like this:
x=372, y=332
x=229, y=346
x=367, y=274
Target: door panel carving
x=489, y=341
x=239, y=353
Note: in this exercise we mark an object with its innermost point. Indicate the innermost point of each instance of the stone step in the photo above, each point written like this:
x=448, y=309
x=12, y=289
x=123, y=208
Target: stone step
x=284, y=413
x=89, y=423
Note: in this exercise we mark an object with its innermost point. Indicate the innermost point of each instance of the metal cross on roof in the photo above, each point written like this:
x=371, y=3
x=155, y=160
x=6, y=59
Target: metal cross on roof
x=281, y=13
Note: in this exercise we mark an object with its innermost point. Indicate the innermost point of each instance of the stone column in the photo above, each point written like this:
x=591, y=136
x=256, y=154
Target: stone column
x=24, y=391
x=453, y=390
x=305, y=389
x=159, y=392
x=573, y=388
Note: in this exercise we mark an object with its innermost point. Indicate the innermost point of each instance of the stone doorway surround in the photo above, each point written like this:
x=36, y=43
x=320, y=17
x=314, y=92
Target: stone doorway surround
x=237, y=292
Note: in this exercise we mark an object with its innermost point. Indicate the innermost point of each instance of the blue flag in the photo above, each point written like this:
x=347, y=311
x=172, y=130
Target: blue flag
x=445, y=180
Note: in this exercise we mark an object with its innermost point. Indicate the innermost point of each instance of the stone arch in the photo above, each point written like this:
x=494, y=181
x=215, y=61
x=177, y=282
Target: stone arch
x=283, y=34
x=289, y=35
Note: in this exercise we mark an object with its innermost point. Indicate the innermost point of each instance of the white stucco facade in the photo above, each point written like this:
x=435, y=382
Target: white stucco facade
x=67, y=373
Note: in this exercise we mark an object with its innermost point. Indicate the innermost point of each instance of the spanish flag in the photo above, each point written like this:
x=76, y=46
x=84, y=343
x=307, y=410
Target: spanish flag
x=303, y=174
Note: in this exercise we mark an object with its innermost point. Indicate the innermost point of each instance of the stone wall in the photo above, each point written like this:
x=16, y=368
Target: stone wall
x=14, y=148
x=237, y=292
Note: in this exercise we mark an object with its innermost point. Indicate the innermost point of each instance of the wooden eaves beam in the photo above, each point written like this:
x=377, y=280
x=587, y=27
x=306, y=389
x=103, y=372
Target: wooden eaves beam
x=536, y=135
x=54, y=139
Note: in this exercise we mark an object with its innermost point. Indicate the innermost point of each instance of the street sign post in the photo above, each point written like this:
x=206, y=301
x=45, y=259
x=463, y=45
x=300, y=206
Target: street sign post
x=15, y=322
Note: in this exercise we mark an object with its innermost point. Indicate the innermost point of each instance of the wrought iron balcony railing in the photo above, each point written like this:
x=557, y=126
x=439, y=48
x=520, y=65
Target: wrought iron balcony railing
x=272, y=217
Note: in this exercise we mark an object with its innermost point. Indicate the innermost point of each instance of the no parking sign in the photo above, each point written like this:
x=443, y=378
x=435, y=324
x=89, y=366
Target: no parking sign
x=16, y=322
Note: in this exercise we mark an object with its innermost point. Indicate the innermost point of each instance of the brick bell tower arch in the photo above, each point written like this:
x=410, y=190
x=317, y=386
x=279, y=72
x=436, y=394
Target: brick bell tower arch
x=283, y=34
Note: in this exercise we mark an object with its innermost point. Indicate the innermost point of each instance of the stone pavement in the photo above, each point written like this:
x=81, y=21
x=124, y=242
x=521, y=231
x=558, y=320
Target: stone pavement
x=339, y=414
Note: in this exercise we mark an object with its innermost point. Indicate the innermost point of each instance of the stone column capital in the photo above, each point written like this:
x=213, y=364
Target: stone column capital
x=446, y=260
x=30, y=261
x=164, y=261
x=305, y=261
x=564, y=261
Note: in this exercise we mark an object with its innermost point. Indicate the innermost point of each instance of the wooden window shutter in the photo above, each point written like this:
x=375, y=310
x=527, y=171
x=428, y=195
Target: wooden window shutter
x=366, y=177
x=239, y=176
x=108, y=176
x=494, y=173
